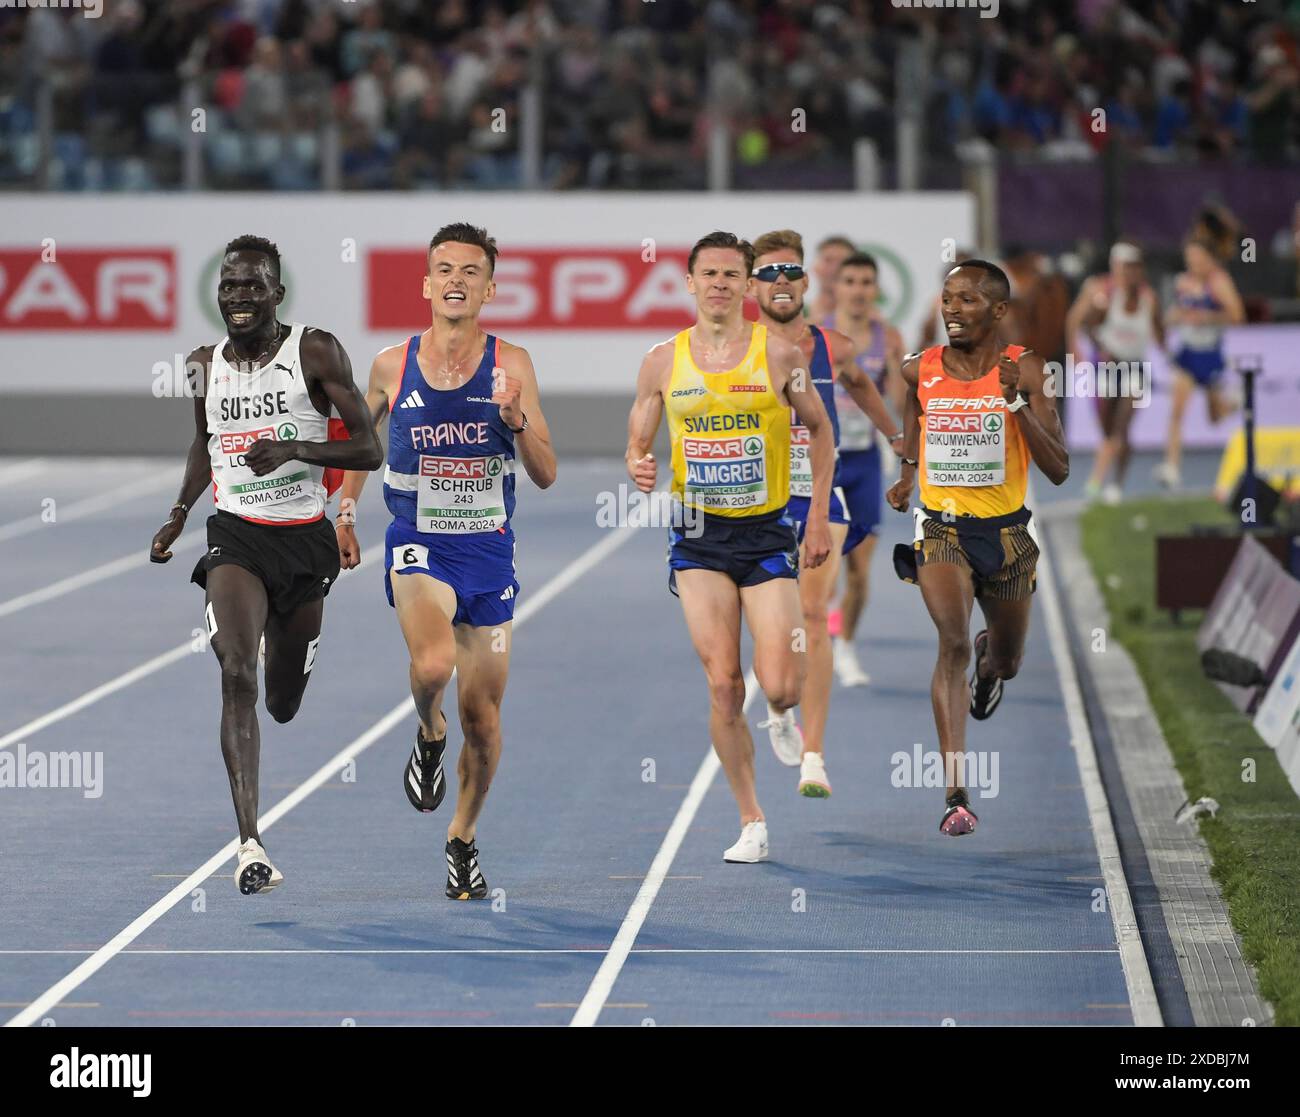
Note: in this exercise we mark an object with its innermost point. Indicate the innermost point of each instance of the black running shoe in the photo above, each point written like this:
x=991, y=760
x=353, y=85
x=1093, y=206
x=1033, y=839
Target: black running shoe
x=423, y=779
x=985, y=694
x=464, y=878
x=958, y=819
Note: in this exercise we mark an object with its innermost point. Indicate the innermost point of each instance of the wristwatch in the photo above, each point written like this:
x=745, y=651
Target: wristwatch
x=1016, y=404
x=519, y=430
x=909, y=461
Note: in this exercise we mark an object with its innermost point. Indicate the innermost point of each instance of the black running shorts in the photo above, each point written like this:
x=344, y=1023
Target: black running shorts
x=296, y=562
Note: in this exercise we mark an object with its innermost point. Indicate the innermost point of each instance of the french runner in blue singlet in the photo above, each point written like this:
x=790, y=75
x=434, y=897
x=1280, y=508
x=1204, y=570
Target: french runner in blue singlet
x=464, y=411
x=823, y=379
x=857, y=294
x=450, y=485
x=860, y=467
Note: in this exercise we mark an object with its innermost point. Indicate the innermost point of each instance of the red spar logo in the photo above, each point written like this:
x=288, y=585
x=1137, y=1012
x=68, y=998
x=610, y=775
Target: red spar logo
x=88, y=289
x=580, y=288
x=236, y=442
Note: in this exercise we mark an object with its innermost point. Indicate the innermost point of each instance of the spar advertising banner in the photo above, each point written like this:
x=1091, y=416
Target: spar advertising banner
x=1252, y=614
x=1278, y=719
x=1274, y=349
x=96, y=291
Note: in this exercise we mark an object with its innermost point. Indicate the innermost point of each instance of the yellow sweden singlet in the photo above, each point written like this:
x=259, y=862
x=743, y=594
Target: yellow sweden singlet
x=730, y=434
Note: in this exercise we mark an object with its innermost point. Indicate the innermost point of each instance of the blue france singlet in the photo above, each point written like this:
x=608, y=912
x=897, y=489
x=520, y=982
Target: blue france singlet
x=451, y=461
x=857, y=432
x=823, y=378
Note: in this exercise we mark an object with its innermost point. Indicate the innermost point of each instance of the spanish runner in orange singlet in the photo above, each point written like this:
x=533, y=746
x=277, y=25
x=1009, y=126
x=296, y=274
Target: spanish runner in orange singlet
x=976, y=414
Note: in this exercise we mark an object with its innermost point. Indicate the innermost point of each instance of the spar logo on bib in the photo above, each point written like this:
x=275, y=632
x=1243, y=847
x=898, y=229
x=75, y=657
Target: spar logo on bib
x=725, y=472
x=286, y=431
x=993, y=423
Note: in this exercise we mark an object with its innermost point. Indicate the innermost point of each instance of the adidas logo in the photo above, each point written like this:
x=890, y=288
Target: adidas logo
x=510, y=592
x=413, y=400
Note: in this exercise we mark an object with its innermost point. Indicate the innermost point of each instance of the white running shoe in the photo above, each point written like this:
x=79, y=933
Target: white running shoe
x=847, y=668
x=254, y=871
x=1167, y=475
x=786, y=736
x=812, y=777
x=751, y=847
x=1111, y=495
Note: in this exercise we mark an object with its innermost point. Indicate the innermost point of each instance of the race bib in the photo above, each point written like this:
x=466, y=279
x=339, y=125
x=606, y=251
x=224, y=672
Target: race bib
x=726, y=473
x=460, y=495
x=966, y=448
x=801, y=482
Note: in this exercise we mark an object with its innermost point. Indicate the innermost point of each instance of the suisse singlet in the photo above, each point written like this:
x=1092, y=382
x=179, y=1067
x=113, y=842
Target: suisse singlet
x=730, y=434
x=857, y=432
x=823, y=378
x=974, y=459
x=270, y=402
x=451, y=460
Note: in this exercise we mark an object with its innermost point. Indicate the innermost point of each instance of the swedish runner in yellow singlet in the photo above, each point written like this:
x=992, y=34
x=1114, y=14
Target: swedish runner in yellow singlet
x=976, y=413
x=726, y=386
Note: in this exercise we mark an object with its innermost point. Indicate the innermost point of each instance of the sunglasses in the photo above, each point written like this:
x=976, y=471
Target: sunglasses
x=770, y=273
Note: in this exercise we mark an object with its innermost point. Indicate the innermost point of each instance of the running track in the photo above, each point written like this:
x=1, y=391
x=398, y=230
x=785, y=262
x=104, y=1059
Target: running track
x=865, y=915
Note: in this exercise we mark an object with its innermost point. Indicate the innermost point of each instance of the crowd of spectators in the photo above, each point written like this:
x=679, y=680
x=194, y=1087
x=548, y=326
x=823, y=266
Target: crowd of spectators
x=411, y=93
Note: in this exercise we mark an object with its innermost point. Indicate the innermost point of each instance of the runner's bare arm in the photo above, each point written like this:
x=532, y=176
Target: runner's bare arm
x=1039, y=422
x=895, y=389
x=1157, y=321
x=519, y=393
x=901, y=490
x=198, y=465
x=793, y=381
x=325, y=362
x=385, y=380
x=647, y=410
x=1234, y=310
x=1081, y=314
x=858, y=384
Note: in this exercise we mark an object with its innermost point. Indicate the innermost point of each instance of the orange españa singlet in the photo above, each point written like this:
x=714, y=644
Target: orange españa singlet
x=974, y=460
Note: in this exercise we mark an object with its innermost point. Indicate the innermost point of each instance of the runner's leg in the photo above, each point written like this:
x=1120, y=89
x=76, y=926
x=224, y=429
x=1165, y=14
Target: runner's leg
x=857, y=568
x=711, y=605
x=237, y=609
x=815, y=588
x=482, y=664
x=291, y=643
x=949, y=596
x=425, y=608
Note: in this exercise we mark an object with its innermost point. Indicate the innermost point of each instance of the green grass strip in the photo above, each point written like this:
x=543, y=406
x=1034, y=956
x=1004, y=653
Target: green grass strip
x=1255, y=840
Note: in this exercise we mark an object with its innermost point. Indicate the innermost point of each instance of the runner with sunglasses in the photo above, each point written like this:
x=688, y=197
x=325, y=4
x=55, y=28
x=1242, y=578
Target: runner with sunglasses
x=782, y=285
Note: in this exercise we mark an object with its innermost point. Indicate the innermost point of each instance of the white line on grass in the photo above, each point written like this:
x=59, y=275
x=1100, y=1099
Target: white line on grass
x=399, y=713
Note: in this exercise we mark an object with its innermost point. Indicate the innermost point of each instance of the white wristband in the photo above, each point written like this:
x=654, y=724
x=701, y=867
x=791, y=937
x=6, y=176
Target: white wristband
x=1016, y=404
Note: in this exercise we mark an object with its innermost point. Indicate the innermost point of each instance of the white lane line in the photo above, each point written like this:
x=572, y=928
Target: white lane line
x=399, y=713
x=575, y=950
x=113, y=496
x=603, y=983
x=126, y=679
x=102, y=691
x=1133, y=959
x=95, y=574
x=17, y=471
